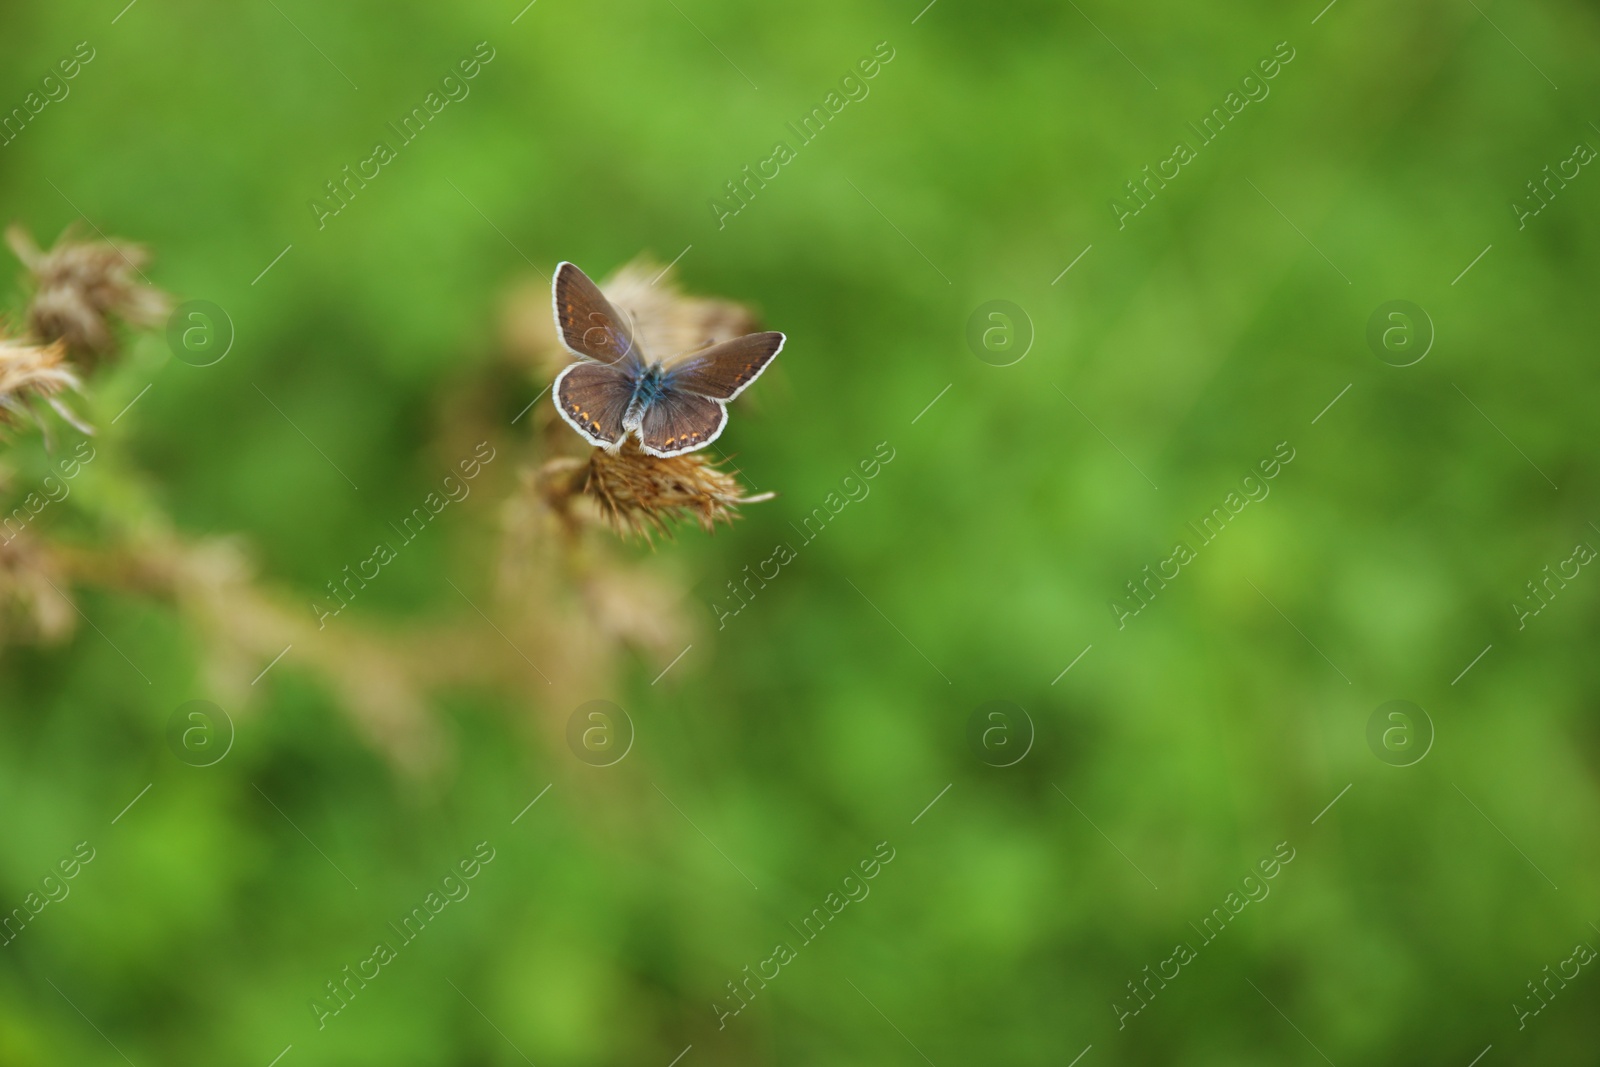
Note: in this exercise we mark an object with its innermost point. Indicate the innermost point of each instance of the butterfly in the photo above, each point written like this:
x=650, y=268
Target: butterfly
x=613, y=391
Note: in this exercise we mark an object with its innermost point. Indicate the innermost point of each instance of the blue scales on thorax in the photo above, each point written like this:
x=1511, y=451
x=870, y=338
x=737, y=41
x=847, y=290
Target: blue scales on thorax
x=652, y=385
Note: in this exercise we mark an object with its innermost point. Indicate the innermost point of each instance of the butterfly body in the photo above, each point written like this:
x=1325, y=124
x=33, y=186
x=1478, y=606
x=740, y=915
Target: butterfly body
x=612, y=392
x=651, y=386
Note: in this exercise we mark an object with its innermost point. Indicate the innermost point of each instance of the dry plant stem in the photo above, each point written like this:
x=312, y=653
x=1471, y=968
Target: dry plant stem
x=30, y=605
x=559, y=482
x=378, y=678
x=81, y=290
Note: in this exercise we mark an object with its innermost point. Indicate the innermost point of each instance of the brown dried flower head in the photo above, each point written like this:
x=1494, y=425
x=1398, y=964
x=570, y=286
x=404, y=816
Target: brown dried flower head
x=637, y=493
x=79, y=286
x=34, y=372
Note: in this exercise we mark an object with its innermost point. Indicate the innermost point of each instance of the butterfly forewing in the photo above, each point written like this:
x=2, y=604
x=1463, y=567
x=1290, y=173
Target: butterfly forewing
x=723, y=371
x=679, y=422
x=590, y=326
x=594, y=399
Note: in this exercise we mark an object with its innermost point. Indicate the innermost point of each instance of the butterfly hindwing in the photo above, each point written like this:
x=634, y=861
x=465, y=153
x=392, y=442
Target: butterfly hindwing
x=677, y=422
x=594, y=400
x=723, y=371
x=589, y=325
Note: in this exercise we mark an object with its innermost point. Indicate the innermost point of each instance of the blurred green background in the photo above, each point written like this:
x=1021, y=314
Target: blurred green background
x=1222, y=720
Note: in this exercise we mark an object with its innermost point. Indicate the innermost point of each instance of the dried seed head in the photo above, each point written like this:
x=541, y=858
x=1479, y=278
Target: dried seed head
x=637, y=493
x=79, y=286
x=30, y=372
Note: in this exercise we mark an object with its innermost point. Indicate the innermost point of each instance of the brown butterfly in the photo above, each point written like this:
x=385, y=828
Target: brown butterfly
x=613, y=391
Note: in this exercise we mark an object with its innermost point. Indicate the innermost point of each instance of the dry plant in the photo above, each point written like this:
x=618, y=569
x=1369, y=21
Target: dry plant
x=564, y=566
x=32, y=605
x=80, y=286
x=640, y=494
x=83, y=294
x=242, y=625
x=576, y=600
x=34, y=372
